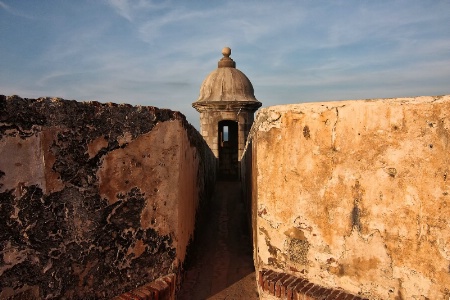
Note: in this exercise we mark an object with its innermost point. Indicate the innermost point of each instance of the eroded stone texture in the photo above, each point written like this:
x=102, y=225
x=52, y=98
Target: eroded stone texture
x=95, y=199
x=355, y=195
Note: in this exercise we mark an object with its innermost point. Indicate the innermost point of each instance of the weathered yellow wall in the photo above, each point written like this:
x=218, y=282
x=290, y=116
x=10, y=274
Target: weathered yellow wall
x=355, y=194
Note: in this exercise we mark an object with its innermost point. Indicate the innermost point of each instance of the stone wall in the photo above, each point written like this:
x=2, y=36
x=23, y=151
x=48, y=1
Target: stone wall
x=355, y=195
x=209, y=121
x=95, y=199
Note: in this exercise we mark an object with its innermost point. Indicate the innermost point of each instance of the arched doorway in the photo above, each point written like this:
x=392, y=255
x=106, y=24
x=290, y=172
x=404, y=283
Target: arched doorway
x=228, y=150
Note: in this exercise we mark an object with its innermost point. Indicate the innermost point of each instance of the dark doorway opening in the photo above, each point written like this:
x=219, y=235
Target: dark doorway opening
x=228, y=150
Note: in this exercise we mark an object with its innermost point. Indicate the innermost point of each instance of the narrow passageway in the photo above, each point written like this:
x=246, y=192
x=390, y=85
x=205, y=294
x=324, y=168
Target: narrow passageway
x=221, y=265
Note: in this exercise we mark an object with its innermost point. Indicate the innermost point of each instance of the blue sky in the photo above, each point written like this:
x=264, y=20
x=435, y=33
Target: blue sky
x=158, y=52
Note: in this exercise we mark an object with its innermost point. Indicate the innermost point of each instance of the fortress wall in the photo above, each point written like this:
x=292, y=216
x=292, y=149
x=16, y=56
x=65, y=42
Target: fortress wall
x=95, y=199
x=355, y=195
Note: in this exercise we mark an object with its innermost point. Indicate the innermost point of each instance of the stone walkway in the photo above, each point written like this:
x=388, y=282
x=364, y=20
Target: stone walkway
x=221, y=266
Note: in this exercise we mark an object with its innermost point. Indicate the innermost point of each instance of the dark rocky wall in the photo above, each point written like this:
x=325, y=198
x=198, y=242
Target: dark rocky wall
x=60, y=237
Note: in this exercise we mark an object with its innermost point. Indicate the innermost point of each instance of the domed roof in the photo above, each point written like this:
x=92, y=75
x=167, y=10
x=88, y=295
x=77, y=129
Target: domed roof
x=226, y=83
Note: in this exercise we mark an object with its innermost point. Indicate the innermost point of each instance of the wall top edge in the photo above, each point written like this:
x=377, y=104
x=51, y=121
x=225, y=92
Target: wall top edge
x=269, y=117
x=340, y=103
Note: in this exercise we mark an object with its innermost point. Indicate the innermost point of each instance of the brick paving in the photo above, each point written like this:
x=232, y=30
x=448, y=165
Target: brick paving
x=162, y=289
x=222, y=265
x=286, y=286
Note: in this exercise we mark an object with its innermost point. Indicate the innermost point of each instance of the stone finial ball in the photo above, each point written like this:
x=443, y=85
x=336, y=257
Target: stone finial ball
x=226, y=51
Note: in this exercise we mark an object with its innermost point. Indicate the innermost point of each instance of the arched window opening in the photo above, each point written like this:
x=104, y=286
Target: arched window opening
x=228, y=149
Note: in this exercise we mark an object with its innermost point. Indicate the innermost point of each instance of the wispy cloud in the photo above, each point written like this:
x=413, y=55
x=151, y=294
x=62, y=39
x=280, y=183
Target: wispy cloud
x=130, y=9
x=4, y=6
x=158, y=52
x=189, y=32
x=14, y=11
x=153, y=29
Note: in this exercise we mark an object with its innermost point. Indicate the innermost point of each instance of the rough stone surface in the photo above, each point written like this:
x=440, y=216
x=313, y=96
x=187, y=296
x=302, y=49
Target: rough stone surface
x=355, y=195
x=95, y=199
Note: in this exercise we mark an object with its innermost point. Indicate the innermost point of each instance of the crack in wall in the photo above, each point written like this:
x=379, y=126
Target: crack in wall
x=333, y=129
